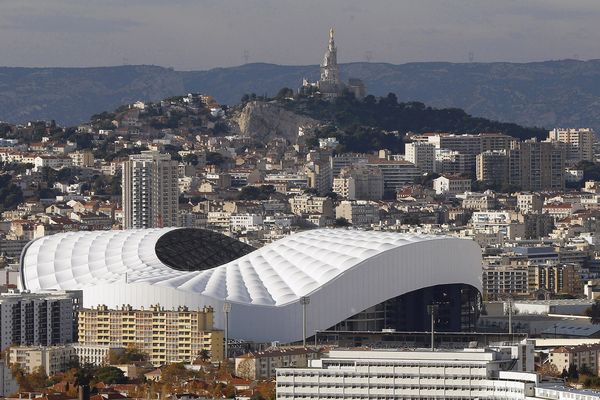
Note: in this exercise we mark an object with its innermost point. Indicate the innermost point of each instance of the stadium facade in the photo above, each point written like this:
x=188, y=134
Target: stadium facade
x=355, y=280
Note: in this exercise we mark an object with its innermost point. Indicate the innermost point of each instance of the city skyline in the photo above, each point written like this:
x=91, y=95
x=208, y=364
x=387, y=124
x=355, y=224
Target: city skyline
x=209, y=35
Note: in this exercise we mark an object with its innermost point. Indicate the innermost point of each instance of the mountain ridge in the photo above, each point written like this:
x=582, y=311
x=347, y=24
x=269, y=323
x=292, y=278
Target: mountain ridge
x=540, y=93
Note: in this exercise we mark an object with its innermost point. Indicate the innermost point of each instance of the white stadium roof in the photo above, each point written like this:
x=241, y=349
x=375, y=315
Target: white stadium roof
x=343, y=271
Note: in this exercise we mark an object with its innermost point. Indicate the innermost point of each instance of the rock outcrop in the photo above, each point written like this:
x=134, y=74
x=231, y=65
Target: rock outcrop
x=267, y=120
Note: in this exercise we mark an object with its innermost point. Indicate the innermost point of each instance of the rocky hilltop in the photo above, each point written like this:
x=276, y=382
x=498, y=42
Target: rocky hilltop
x=265, y=121
x=550, y=93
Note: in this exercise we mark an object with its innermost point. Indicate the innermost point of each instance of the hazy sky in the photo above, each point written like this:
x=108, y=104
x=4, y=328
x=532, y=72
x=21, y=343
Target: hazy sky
x=201, y=34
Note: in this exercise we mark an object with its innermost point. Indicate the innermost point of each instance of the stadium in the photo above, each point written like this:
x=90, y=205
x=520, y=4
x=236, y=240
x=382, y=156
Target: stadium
x=354, y=280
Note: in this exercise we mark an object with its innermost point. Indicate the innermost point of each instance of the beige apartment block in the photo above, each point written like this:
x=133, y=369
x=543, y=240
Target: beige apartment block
x=167, y=336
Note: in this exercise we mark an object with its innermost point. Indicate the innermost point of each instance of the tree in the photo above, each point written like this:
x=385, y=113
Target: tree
x=341, y=222
x=213, y=158
x=84, y=375
x=284, y=93
x=585, y=370
x=191, y=159
x=573, y=373
x=35, y=380
x=549, y=369
x=130, y=355
x=204, y=355
x=10, y=194
x=594, y=312
x=174, y=373
x=110, y=375
x=262, y=192
x=245, y=369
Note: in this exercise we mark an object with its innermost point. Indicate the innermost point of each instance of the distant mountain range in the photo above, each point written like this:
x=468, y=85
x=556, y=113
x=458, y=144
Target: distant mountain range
x=548, y=94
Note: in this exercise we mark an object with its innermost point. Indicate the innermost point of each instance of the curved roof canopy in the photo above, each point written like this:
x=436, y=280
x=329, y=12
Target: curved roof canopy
x=198, y=249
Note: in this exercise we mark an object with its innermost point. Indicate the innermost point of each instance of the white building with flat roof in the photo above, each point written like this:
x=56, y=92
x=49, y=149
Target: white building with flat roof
x=503, y=372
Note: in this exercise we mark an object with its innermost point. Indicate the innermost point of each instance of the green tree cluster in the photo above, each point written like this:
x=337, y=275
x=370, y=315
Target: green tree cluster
x=364, y=122
x=262, y=192
x=10, y=194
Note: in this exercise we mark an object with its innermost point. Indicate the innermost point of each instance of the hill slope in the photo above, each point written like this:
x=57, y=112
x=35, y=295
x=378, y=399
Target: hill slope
x=551, y=93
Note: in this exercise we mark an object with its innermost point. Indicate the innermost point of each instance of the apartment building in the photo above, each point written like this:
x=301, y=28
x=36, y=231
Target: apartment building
x=39, y=319
x=492, y=167
x=587, y=354
x=502, y=280
x=451, y=185
x=495, y=141
x=167, y=336
x=479, y=202
x=319, y=176
x=558, y=278
x=528, y=203
x=340, y=161
x=150, y=191
x=53, y=359
x=83, y=158
x=396, y=173
x=263, y=364
x=358, y=213
x=359, y=183
x=451, y=162
x=307, y=205
x=244, y=222
x=537, y=166
x=467, y=145
x=491, y=373
x=54, y=162
x=421, y=154
x=578, y=143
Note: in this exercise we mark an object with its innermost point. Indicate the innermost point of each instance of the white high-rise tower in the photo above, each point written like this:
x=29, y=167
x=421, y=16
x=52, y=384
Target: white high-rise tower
x=150, y=191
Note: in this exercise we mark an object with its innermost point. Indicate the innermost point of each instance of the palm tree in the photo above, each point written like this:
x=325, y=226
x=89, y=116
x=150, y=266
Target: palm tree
x=204, y=355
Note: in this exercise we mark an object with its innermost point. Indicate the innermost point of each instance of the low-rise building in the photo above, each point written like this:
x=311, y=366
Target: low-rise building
x=502, y=372
x=528, y=203
x=451, y=184
x=52, y=359
x=83, y=158
x=580, y=356
x=306, y=205
x=240, y=222
x=359, y=183
x=358, y=212
x=263, y=364
x=95, y=354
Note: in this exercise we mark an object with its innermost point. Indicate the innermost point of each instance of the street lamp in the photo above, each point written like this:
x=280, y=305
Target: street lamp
x=432, y=309
x=510, y=315
x=304, y=300
x=226, y=310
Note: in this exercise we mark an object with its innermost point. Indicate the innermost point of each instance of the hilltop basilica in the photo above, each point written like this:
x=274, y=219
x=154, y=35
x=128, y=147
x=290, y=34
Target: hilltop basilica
x=330, y=85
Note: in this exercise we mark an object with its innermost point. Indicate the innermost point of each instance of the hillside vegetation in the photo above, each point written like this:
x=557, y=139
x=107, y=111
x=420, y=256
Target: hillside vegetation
x=382, y=123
